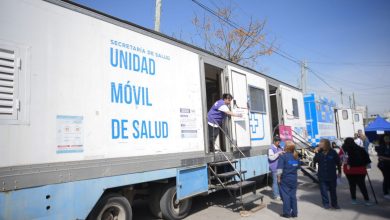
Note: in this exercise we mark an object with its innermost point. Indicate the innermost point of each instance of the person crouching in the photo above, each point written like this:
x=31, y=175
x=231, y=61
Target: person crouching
x=288, y=166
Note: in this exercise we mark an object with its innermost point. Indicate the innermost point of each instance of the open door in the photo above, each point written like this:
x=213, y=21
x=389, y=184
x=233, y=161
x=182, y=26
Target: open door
x=240, y=125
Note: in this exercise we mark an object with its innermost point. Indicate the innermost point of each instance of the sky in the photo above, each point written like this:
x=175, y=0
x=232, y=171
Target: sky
x=345, y=42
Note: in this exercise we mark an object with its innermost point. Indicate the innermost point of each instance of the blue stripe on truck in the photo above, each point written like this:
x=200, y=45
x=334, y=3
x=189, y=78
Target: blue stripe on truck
x=73, y=200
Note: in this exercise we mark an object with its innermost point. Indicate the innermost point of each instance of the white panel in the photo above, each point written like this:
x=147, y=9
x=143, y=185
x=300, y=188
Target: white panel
x=298, y=124
x=8, y=56
x=346, y=125
x=6, y=70
x=72, y=76
x=259, y=123
x=6, y=76
x=240, y=94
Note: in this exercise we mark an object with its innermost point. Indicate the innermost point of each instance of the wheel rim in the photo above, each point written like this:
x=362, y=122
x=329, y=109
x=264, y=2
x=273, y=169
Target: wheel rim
x=112, y=212
x=176, y=205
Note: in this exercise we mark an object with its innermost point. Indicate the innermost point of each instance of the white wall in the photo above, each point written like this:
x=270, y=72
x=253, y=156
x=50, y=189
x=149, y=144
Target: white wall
x=71, y=75
x=297, y=123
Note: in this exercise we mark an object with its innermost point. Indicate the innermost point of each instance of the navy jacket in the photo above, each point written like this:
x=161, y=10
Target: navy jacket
x=327, y=164
x=289, y=165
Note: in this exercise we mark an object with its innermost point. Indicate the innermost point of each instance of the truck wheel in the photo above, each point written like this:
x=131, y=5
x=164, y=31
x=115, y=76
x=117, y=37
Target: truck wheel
x=112, y=206
x=154, y=202
x=172, y=210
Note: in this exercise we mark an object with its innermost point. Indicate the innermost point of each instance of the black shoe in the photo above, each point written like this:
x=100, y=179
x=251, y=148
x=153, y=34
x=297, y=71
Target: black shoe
x=285, y=216
x=336, y=207
x=294, y=216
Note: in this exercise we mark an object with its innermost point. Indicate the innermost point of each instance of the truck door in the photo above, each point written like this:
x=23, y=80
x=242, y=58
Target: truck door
x=240, y=125
x=345, y=123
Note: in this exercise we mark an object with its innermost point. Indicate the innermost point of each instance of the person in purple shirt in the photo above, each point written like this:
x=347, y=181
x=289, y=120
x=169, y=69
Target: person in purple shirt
x=217, y=115
x=274, y=152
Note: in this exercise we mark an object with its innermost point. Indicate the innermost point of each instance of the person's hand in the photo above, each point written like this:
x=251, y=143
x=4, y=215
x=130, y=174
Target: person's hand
x=282, y=152
x=279, y=179
x=317, y=149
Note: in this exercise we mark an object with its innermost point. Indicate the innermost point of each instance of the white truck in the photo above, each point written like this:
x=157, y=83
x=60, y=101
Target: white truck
x=348, y=122
x=96, y=112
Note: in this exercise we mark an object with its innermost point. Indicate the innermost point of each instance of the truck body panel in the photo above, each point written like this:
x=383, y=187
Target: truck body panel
x=320, y=120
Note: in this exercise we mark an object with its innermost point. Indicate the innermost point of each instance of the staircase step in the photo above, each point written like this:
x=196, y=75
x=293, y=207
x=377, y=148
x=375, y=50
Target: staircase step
x=223, y=163
x=229, y=174
x=310, y=174
x=250, y=199
x=243, y=184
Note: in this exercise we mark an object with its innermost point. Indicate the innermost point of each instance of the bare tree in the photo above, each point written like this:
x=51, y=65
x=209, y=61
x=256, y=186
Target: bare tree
x=242, y=45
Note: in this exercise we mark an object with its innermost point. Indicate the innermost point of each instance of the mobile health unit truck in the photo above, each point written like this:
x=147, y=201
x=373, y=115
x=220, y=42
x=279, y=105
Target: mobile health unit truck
x=97, y=112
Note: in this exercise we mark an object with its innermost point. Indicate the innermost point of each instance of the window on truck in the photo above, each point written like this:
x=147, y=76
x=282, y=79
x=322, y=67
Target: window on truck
x=357, y=118
x=345, y=114
x=295, y=108
x=257, y=99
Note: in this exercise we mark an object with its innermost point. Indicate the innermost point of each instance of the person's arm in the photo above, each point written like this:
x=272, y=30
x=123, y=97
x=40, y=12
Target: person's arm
x=338, y=164
x=315, y=159
x=280, y=168
x=384, y=158
x=273, y=156
x=227, y=111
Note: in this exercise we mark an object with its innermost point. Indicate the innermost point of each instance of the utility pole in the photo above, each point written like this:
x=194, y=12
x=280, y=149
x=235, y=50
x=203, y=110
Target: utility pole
x=353, y=100
x=341, y=96
x=303, y=77
x=157, y=16
x=350, y=102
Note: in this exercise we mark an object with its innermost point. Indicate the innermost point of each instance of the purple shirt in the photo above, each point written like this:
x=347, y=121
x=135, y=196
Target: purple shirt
x=273, y=164
x=216, y=116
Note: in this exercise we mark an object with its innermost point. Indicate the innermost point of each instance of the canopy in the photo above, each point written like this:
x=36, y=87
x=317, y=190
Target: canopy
x=378, y=126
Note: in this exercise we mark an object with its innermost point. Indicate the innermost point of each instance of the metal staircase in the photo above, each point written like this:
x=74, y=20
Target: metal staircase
x=226, y=174
x=307, y=156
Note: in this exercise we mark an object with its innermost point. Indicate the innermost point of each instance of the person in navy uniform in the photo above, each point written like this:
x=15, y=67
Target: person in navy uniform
x=384, y=163
x=328, y=160
x=217, y=115
x=288, y=166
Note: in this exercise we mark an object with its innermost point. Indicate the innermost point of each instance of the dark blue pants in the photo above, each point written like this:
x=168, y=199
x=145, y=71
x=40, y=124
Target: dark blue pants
x=325, y=186
x=289, y=197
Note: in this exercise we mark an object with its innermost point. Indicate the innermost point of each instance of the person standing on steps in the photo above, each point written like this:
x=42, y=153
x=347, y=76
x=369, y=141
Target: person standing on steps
x=328, y=160
x=355, y=160
x=217, y=115
x=288, y=166
x=274, y=152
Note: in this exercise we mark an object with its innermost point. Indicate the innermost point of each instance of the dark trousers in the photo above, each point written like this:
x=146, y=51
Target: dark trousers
x=330, y=186
x=213, y=133
x=386, y=180
x=358, y=180
x=289, y=198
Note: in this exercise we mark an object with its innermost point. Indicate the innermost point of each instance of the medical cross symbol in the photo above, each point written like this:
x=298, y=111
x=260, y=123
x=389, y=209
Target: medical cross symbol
x=254, y=123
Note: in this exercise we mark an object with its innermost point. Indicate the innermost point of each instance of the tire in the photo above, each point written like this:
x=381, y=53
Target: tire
x=112, y=206
x=169, y=208
x=154, y=201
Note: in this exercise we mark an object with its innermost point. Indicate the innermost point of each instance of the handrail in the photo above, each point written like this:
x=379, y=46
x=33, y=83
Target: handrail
x=230, y=140
x=301, y=139
x=307, y=145
x=239, y=157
